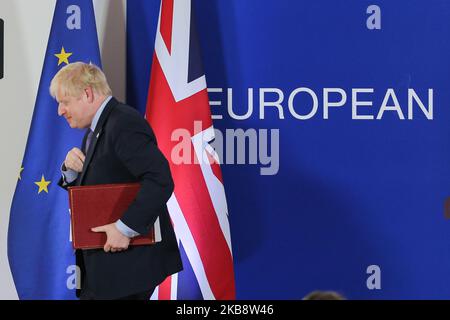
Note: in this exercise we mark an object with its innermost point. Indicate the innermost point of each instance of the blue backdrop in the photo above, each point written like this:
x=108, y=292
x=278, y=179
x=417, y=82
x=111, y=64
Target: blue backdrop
x=349, y=193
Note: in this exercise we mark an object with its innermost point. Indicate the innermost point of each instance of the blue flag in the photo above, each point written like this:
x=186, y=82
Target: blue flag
x=40, y=253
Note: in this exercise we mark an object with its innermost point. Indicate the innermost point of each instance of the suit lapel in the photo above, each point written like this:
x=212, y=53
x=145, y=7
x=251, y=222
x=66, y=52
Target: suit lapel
x=97, y=133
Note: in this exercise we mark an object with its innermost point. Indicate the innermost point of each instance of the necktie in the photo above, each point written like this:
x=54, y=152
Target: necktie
x=88, y=141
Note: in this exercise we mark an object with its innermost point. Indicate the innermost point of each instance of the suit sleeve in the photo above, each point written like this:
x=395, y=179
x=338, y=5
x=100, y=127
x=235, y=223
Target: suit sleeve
x=68, y=177
x=135, y=146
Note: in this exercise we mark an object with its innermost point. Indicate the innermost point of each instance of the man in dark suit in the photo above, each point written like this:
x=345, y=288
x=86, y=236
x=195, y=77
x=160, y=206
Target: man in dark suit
x=119, y=147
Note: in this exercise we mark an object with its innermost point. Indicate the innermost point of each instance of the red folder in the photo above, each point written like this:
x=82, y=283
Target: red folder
x=98, y=205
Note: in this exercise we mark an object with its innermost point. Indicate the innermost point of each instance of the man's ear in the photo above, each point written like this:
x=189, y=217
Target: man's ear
x=89, y=94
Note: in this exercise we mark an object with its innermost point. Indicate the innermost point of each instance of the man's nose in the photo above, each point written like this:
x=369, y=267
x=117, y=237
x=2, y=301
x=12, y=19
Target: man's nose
x=61, y=110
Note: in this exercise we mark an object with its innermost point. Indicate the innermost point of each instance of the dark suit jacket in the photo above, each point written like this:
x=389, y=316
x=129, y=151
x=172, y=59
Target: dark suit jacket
x=124, y=149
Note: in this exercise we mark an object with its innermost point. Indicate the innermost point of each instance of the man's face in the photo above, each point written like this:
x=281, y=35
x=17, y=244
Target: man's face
x=77, y=111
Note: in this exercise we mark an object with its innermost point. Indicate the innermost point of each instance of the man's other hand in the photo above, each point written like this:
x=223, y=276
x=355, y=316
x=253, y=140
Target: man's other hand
x=75, y=160
x=116, y=241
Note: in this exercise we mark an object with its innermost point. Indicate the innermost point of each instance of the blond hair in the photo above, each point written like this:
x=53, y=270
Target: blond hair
x=72, y=79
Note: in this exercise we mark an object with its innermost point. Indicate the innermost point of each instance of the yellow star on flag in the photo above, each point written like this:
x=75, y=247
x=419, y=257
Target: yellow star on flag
x=63, y=56
x=43, y=185
x=20, y=172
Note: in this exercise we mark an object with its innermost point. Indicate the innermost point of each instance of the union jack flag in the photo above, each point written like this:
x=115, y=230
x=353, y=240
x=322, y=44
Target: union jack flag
x=178, y=99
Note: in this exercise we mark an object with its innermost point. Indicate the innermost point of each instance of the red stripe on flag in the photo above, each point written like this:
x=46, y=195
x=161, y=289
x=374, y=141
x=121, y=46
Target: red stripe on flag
x=164, y=289
x=166, y=22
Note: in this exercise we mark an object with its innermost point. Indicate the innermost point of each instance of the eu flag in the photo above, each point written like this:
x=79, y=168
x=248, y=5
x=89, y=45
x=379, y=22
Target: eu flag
x=40, y=254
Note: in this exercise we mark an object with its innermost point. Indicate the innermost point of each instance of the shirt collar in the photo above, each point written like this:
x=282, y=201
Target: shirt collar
x=99, y=113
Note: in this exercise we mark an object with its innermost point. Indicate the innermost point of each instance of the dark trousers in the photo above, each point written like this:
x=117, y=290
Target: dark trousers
x=138, y=296
x=86, y=293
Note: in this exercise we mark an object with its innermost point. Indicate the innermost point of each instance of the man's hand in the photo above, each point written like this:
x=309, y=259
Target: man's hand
x=75, y=160
x=116, y=241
